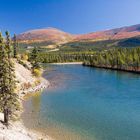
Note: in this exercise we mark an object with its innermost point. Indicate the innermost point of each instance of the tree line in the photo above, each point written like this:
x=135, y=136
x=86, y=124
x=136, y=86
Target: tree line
x=60, y=57
x=118, y=58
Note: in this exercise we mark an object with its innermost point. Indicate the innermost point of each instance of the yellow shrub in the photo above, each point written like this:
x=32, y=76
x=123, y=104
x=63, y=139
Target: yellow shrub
x=24, y=57
x=37, y=72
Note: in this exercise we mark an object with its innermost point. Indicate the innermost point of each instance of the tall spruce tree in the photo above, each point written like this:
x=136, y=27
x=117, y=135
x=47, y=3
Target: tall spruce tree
x=13, y=102
x=15, y=46
x=8, y=97
x=4, y=79
x=34, y=59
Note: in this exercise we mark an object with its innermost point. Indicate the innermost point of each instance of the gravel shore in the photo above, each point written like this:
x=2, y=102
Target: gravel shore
x=16, y=129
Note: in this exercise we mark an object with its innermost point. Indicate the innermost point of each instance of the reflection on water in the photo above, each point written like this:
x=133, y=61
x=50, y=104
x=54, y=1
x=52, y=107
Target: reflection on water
x=84, y=103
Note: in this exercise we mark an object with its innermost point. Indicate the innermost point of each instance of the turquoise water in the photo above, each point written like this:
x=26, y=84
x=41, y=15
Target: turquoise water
x=86, y=103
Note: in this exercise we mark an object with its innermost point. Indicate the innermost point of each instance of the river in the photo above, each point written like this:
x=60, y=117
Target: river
x=86, y=103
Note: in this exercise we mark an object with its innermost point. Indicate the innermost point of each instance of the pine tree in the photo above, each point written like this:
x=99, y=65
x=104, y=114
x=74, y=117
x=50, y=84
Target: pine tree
x=34, y=59
x=13, y=102
x=8, y=97
x=4, y=79
x=15, y=46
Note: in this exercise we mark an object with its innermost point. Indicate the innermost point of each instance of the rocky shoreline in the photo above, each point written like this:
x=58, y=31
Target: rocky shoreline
x=16, y=129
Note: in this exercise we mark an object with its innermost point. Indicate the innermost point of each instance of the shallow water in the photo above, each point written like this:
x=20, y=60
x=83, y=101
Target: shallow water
x=86, y=103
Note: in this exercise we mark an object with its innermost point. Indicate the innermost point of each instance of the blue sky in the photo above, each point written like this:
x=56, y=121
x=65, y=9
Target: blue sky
x=74, y=16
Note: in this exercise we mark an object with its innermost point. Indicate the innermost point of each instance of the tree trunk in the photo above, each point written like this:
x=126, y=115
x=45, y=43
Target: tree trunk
x=6, y=116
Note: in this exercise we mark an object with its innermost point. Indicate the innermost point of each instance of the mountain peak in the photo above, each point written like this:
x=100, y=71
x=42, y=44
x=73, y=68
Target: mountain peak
x=46, y=34
x=42, y=29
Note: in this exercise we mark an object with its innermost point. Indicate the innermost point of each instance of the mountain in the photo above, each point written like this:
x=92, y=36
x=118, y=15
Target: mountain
x=118, y=33
x=128, y=36
x=51, y=35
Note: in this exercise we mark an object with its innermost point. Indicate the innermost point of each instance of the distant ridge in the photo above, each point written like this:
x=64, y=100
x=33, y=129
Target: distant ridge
x=56, y=36
x=117, y=33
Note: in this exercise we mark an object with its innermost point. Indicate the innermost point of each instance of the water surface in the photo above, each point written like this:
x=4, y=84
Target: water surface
x=86, y=103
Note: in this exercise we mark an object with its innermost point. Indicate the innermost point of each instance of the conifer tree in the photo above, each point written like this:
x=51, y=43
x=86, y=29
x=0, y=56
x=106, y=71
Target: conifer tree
x=3, y=79
x=13, y=103
x=8, y=97
x=34, y=59
x=15, y=46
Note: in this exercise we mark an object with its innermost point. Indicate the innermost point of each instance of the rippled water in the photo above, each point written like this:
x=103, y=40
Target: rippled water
x=85, y=103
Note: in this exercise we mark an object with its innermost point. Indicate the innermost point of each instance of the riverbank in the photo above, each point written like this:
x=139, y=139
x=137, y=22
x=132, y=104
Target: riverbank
x=130, y=69
x=68, y=63
x=26, y=84
x=17, y=131
x=35, y=135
